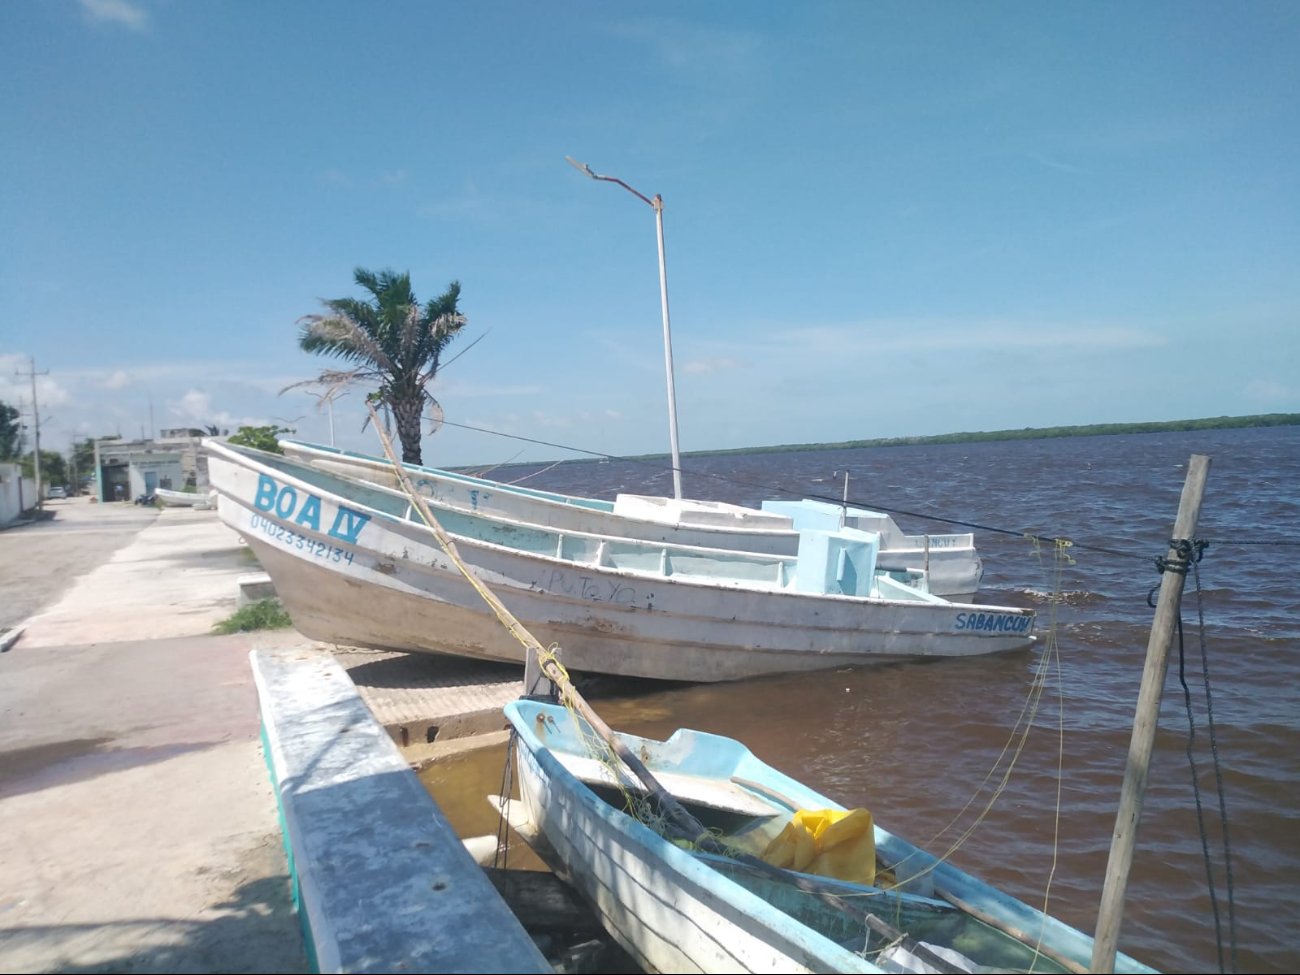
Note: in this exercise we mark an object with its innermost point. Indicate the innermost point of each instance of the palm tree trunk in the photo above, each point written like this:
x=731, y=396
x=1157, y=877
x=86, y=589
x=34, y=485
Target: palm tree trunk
x=407, y=413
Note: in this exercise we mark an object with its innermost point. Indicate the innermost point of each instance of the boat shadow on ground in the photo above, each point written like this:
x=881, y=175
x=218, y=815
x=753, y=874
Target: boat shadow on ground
x=393, y=669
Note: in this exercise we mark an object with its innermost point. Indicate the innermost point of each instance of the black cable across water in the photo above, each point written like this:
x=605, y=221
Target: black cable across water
x=856, y=502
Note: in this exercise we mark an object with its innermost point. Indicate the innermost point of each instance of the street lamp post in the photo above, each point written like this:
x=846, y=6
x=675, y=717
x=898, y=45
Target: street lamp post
x=657, y=204
x=329, y=398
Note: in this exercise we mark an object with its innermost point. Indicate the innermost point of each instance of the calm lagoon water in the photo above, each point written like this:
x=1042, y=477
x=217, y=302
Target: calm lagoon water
x=937, y=750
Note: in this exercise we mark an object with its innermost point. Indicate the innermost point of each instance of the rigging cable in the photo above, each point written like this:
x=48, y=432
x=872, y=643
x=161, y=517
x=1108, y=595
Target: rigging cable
x=501, y=857
x=1190, y=553
x=740, y=482
x=1049, y=663
x=1189, y=556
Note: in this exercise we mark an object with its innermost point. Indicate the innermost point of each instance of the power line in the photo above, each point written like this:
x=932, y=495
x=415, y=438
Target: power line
x=741, y=482
x=774, y=489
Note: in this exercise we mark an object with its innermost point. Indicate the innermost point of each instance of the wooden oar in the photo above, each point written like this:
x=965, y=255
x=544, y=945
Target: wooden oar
x=685, y=825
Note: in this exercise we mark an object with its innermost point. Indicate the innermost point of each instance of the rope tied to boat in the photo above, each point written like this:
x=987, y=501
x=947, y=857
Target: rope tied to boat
x=677, y=819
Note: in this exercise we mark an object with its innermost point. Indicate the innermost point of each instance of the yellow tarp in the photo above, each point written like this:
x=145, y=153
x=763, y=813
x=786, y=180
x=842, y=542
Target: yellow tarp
x=828, y=842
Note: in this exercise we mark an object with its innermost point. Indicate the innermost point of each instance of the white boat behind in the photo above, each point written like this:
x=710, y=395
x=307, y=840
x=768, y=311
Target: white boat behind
x=353, y=564
x=185, y=499
x=950, y=561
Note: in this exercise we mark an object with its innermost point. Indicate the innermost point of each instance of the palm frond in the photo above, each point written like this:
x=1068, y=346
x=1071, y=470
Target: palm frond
x=334, y=381
x=434, y=415
x=344, y=337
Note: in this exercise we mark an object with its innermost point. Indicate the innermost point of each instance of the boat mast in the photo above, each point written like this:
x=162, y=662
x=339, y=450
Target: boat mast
x=1110, y=914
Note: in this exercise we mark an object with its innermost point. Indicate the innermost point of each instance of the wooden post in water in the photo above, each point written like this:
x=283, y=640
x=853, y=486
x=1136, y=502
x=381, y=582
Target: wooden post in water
x=1110, y=914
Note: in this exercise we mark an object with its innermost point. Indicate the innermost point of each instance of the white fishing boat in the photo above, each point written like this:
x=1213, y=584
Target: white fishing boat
x=354, y=564
x=183, y=499
x=950, y=561
x=801, y=884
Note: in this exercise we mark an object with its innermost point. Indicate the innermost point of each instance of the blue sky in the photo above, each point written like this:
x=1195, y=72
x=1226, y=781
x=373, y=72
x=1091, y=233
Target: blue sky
x=882, y=219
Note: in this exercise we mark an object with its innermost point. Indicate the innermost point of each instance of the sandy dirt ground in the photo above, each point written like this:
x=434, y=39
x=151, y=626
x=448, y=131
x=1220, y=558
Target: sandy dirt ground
x=138, y=826
x=91, y=574
x=39, y=561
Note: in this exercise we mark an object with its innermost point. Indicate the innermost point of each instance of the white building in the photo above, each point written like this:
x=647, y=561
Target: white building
x=194, y=464
x=17, y=493
x=126, y=469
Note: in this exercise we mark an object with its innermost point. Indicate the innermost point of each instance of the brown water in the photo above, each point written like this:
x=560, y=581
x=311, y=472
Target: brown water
x=925, y=746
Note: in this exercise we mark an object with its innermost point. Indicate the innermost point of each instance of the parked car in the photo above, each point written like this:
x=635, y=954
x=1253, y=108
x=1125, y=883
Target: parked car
x=58, y=491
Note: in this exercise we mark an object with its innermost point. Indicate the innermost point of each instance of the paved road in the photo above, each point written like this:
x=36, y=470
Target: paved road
x=40, y=560
x=108, y=573
x=138, y=825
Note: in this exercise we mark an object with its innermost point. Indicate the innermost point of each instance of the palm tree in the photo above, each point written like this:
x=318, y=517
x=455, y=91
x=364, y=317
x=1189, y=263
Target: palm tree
x=393, y=340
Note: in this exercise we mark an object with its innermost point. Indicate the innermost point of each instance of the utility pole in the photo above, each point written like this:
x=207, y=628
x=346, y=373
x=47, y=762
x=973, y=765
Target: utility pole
x=36, y=427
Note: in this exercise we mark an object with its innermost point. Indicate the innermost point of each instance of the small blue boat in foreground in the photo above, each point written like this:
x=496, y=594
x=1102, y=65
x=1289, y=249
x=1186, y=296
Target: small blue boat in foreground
x=677, y=910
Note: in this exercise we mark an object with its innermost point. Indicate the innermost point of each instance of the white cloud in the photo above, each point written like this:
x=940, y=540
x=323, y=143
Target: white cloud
x=333, y=177
x=1268, y=392
x=476, y=390
x=704, y=367
x=1058, y=164
x=195, y=408
x=117, y=380
x=708, y=50
x=552, y=421
x=990, y=336
x=194, y=405
x=16, y=384
x=129, y=15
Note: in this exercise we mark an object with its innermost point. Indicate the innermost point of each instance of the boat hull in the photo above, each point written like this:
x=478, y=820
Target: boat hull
x=674, y=912
x=182, y=499
x=352, y=575
x=667, y=916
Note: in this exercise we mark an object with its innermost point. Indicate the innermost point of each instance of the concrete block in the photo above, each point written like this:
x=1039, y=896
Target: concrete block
x=252, y=587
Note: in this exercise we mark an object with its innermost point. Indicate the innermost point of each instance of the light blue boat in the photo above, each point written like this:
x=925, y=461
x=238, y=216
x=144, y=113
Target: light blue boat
x=675, y=910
